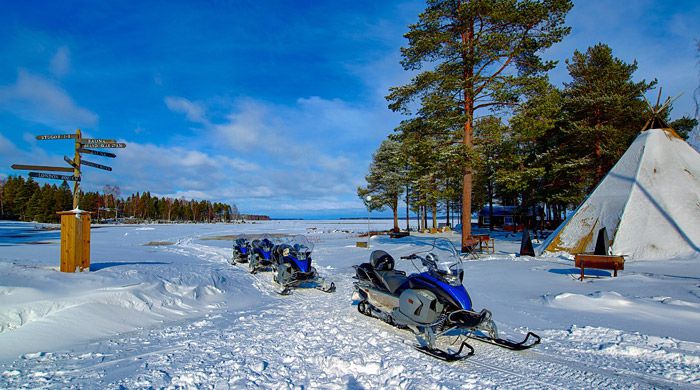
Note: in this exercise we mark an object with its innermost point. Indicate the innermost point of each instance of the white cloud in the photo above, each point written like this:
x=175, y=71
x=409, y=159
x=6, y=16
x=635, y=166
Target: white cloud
x=60, y=62
x=11, y=154
x=37, y=99
x=315, y=149
x=6, y=146
x=246, y=128
x=193, y=111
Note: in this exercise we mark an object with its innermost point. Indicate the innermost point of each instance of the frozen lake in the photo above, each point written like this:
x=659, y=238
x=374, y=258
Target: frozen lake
x=163, y=307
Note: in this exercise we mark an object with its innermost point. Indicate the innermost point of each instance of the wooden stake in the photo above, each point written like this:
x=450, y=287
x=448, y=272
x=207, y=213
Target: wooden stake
x=76, y=169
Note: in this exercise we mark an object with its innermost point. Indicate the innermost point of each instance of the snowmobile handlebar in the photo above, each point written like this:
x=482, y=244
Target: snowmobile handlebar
x=425, y=260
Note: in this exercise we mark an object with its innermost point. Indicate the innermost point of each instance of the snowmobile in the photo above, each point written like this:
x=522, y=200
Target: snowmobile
x=260, y=257
x=241, y=250
x=292, y=266
x=432, y=303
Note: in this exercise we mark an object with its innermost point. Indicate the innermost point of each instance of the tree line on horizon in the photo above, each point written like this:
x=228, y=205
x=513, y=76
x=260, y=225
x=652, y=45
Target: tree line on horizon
x=532, y=145
x=26, y=200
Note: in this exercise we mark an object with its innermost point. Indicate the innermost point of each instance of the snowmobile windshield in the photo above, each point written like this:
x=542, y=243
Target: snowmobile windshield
x=443, y=262
x=241, y=241
x=301, y=246
x=266, y=243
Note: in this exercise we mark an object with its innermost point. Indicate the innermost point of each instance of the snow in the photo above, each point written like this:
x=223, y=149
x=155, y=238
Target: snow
x=649, y=203
x=162, y=307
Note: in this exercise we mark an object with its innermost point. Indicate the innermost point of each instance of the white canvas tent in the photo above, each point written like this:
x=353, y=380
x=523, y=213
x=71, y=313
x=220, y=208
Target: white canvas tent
x=649, y=203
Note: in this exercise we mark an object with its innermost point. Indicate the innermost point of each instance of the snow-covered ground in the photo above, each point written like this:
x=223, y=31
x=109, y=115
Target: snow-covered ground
x=162, y=307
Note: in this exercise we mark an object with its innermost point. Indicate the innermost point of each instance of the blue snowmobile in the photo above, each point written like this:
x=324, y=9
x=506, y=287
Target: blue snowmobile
x=260, y=257
x=433, y=303
x=241, y=250
x=292, y=266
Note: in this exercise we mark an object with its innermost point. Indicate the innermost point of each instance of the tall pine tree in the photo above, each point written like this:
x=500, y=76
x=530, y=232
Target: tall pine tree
x=477, y=54
x=605, y=108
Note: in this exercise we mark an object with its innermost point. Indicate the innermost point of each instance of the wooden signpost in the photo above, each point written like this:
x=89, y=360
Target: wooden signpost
x=96, y=165
x=53, y=176
x=75, y=224
x=41, y=168
x=97, y=153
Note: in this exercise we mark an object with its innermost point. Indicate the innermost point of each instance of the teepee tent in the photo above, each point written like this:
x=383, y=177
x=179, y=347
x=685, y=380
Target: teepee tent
x=649, y=203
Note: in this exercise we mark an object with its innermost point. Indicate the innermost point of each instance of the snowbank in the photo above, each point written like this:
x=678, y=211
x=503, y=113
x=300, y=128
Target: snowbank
x=176, y=314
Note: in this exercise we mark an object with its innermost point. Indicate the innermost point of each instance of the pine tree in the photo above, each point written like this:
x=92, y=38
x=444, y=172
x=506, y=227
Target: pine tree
x=684, y=125
x=385, y=181
x=495, y=152
x=480, y=54
x=33, y=208
x=604, y=106
x=3, y=181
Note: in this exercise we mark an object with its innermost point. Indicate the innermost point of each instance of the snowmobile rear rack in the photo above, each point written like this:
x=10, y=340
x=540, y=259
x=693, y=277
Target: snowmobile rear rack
x=447, y=356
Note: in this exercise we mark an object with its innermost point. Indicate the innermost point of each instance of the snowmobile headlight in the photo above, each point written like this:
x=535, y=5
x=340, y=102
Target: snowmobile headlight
x=451, y=279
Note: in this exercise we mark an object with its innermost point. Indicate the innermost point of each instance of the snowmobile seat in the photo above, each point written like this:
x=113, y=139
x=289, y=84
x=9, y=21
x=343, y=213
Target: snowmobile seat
x=366, y=272
x=392, y=279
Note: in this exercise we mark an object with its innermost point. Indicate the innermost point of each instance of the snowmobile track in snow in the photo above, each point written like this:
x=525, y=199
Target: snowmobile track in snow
x=310, y=339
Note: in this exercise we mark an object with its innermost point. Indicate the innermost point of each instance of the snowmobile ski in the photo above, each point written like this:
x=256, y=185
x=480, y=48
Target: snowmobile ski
x=327, y=289
x=286, y=291
x=510, y=344
x=447, y=356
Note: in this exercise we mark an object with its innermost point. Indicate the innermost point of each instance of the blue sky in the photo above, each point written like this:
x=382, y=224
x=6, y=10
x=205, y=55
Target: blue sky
x=274, y=105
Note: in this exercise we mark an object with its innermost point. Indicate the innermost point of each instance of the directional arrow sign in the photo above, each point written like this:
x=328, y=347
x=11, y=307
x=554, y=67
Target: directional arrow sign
x=41, y=168
x=69, y=161
x=97, y=153
x=56, y=136
x=104, y=145
x=96, y=141
x=95, y=165
x=53, y=176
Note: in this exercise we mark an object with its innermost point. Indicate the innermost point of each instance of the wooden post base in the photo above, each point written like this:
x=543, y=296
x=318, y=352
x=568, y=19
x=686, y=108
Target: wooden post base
x=75, y=241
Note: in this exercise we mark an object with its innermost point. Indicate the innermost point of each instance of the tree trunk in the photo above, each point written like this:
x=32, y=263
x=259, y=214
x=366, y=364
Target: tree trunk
x=597, y=148
x=434, y=210
x=490, y=195
x=395, y=209
x=408, y=217
x=468, y=49
x=418, y=218
x=447, y=212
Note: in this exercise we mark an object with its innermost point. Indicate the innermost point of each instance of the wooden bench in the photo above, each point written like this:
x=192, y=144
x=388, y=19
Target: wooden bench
x=613, y=263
